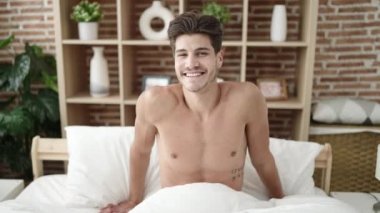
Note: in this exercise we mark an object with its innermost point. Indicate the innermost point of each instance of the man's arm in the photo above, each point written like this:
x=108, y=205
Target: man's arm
x=141, y=148
x=257, y=131
x=145, y=133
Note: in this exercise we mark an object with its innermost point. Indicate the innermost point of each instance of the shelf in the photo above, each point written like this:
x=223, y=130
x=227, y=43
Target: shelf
x=166, y=42
x=131, y=100
x=276, y=44
x=232, y=43
x=94, y=114
x=85, y=98
x=145, y=43
x=90, y=42
x=291, y=103
x=322, y=129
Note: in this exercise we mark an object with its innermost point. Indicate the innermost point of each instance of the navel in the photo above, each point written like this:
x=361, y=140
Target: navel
x=233, y=154
x=173, y=155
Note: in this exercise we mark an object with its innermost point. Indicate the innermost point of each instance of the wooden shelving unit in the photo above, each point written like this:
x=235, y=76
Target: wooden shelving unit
x=125, y=50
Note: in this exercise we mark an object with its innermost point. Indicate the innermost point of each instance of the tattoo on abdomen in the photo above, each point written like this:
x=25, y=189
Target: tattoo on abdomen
x=237, y=173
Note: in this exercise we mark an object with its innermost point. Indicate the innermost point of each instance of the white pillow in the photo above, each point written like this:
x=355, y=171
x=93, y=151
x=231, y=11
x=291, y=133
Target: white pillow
x=98, y=169
x=295, y=161
x=347, y=111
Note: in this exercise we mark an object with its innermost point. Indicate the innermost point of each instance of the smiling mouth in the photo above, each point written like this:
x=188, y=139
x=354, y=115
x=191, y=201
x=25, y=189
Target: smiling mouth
x=193, y=74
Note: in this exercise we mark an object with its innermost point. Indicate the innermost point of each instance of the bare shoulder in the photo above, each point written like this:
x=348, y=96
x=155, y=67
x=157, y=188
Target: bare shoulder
x=245, y=96
x=155, y=102
x=241, y=90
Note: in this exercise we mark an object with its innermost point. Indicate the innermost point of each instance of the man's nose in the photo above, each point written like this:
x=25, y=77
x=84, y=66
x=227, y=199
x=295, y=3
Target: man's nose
x=192, y=62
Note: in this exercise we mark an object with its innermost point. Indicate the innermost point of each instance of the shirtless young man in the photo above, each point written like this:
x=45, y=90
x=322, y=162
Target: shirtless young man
x=204, y=128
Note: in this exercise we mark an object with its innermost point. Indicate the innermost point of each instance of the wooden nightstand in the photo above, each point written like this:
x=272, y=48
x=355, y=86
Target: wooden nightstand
x=361, y=201
x=10, y=188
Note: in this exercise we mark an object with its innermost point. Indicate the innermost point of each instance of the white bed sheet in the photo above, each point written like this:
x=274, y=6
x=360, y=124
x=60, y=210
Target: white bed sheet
x=43, y=195
x=47, y=194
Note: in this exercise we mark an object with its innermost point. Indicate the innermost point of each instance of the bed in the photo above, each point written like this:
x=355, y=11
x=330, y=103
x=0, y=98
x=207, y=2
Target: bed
x=98, y=153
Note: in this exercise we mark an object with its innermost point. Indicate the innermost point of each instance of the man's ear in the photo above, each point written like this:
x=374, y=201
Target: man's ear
x=220, y=57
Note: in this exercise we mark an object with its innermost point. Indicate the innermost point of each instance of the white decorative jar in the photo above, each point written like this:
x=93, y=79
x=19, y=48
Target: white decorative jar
x=99, y=80
x=278, y=28
x=156, y=10
x=88, y=30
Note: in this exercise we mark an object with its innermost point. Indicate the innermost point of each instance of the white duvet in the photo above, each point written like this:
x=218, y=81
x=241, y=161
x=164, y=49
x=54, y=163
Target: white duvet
x=47, y=195
x=214, y=197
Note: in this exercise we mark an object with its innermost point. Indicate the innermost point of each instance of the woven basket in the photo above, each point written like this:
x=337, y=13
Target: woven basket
x=354, y=161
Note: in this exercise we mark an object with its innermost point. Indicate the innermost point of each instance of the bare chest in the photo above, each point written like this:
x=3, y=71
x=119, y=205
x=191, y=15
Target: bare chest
x=216, y=143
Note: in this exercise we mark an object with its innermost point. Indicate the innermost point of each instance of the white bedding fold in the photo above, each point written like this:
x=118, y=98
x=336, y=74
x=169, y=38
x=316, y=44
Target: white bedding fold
x=16, y=206
x=45, y=195
x=214, y=197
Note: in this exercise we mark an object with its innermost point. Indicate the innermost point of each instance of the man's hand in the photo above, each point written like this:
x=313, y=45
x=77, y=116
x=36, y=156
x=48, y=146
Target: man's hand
x=123, y=207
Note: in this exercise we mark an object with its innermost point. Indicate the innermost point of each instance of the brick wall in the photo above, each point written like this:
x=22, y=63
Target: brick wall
x=347, y=50
x=30, y=21
x=347, y=59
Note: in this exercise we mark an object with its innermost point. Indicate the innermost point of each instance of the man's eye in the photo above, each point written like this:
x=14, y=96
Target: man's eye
x=181, y=55
x=202, y=53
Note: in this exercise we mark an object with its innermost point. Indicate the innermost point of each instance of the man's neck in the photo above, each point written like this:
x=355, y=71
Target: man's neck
x=203, y=102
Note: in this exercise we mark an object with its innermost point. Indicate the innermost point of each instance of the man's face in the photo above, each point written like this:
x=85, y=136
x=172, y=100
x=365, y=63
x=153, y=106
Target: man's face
x=196, y=63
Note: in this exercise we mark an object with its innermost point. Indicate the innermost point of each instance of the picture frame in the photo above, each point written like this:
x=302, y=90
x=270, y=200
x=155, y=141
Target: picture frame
x=273, y=89
x=155, y=80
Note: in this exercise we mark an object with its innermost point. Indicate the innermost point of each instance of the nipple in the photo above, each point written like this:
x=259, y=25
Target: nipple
x=233, y=153
x=173, y=155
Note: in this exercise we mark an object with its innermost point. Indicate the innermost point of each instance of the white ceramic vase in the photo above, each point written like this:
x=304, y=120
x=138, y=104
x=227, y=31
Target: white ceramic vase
x=88, y=30
x=156, y=10
x=99, y=80
x=278, y=28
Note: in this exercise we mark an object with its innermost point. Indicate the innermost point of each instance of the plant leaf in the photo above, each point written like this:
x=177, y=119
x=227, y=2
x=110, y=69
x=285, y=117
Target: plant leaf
x=19, y=73
x=219, y=11
x=4, y=43
x=51, y=63
x=40, y=63
x=50, y=102
x=5, y=70
x=87, y=11
x=34, y=50
x=33, y=106
x=16, y=122
x=50, y=81
x=44, y=106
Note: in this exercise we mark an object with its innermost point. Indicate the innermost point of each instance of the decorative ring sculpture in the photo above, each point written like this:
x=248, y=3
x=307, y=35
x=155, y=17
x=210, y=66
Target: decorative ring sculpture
x=155, y=11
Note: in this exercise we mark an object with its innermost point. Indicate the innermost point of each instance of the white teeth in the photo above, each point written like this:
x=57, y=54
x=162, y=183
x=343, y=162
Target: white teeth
x=193, y=74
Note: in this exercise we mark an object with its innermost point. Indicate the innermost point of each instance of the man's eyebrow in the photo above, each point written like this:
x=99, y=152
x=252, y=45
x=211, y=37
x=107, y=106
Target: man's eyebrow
x=202, y=48
x=198, y=49
x=180, y=50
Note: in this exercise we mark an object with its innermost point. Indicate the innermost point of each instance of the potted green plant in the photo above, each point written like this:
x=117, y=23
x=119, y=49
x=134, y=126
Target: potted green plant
x=87, y=14
x=28, y=110
x=219, y=11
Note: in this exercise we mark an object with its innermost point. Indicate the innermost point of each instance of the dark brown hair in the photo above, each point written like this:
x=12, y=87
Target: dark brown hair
x=194, y=22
